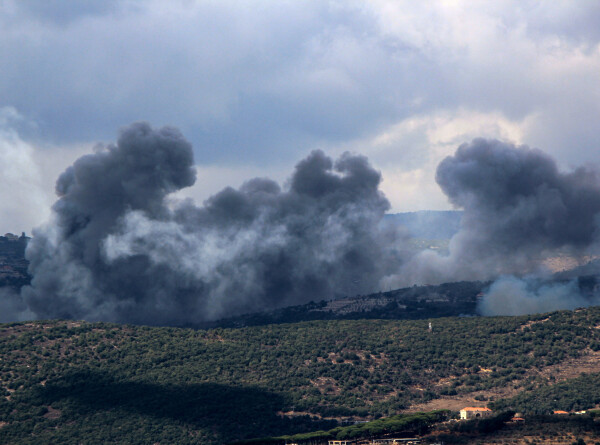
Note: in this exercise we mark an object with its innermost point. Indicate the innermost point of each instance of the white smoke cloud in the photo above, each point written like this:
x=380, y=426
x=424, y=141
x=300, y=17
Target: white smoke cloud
x=27, y=174
x=21, y=191
x=511, y=295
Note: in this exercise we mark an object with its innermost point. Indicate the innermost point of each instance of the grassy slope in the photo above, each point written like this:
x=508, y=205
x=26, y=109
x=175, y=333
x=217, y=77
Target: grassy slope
x=66, y=382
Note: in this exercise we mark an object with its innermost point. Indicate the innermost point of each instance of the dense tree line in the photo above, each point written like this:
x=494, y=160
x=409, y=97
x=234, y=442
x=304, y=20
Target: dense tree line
x=576, y=394
x=67, y=382
x=410, y=303
x=411, y=424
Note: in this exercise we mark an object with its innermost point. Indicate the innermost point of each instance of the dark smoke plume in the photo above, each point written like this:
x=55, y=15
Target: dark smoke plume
x=517, y=208
x=515, y=199
x=116, y=251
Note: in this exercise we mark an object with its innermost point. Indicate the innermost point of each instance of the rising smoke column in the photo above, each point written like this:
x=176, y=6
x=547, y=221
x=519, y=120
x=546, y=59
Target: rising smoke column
x=517, y=207
x=516, y=200
x=71, y=278
x=116, y=251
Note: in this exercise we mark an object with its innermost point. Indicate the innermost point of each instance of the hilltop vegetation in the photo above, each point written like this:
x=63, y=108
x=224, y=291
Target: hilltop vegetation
x=416, y=423
x=577, y=394
x=410, y=303
x=67, y=382
x=13, y=265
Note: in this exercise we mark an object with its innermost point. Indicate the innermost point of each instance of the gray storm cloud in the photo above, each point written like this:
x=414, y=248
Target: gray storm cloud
x=116, y=251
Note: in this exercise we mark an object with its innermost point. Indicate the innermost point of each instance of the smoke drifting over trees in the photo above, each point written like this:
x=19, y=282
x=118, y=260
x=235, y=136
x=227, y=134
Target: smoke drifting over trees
x=116, y=250
x=510, y=295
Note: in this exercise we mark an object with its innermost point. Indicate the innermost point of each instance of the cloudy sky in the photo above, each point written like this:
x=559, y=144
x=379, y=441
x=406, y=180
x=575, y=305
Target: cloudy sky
x=256, y=85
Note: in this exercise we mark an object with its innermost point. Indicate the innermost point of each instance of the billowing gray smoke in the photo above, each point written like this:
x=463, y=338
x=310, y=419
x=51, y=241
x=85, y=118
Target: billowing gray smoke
x=12, y=306
x=116, y=251
x=516, y=200
x=517, y=207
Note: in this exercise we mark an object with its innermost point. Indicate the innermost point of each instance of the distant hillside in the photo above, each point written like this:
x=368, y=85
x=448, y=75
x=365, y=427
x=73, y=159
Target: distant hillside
x=428, y=224
x=411, y=303
x=13, y=265
x=76, y=382
x=458, y=299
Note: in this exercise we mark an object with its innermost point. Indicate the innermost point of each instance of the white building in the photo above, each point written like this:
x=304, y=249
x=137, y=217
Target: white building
x=474, y=412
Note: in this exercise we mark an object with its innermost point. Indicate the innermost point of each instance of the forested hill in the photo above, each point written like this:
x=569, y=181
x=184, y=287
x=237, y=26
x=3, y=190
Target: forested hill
x=76, y=382
x=13, y=265
x=411, y=303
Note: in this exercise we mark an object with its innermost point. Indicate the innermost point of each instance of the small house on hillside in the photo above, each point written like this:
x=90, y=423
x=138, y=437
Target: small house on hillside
x=471, y=412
